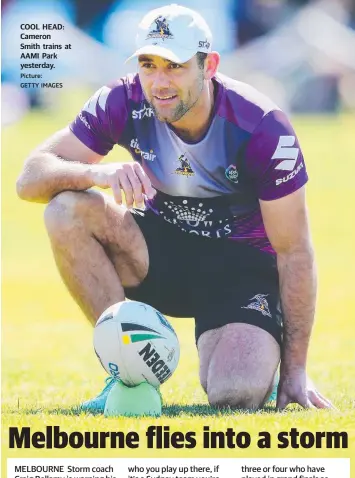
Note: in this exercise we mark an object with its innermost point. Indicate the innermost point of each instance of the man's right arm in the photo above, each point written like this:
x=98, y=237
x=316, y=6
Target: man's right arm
x=61, y=163
x=64, y=163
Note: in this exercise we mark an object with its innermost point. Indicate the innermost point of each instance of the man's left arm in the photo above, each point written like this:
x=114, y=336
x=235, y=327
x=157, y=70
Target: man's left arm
x=276, y=166
x=287, y=227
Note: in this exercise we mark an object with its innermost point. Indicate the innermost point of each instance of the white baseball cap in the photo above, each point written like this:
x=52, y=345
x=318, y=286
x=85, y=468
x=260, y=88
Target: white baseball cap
x=173, y=32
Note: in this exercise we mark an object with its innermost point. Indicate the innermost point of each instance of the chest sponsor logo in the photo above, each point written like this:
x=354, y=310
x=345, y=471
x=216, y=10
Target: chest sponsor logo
x=185, y=168
x=232, y=173
x=147, y=155
x=145, y=112
x=195, y=219
x=289, y=176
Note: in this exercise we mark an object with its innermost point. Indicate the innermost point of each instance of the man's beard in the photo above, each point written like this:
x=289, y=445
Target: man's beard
x=179, y=111
x=182, y=108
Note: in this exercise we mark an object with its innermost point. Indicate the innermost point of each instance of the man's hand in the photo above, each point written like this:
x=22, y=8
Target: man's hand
x=296, y=387
x=130, y=177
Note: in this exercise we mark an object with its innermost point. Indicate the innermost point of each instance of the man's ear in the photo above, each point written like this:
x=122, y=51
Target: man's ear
x=211, y=64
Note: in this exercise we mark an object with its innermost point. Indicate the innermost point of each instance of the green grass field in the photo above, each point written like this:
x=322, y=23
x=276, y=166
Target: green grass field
x=48, y=364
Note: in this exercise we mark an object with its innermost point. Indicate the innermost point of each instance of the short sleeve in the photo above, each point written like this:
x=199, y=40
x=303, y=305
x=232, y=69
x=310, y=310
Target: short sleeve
x=274, y=159
x=100, y=123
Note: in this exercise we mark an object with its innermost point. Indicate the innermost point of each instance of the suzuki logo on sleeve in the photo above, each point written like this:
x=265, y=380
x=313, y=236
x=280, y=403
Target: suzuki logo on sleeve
x=287, y=152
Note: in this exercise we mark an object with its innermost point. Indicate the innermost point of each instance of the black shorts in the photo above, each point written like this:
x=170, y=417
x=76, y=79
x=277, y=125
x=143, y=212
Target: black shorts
x=216, y=281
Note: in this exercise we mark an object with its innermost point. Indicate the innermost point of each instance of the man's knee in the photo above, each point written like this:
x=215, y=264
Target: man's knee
x=240, y=393
x=237, y=365
x=69, y=210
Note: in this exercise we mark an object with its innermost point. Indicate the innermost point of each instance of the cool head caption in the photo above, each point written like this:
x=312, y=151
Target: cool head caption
x=36, y=54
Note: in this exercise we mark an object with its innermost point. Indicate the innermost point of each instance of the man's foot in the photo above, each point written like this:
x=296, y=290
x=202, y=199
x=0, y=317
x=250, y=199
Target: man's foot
x=97, y=404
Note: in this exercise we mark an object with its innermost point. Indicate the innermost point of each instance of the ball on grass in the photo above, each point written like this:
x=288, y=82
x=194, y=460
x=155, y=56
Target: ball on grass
x=136, y=343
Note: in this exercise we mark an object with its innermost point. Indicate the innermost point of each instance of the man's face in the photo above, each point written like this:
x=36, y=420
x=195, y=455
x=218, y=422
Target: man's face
x=172, y=89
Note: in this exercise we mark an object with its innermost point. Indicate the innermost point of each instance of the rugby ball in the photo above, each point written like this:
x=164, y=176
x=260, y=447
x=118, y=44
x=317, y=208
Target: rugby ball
x=135, y=343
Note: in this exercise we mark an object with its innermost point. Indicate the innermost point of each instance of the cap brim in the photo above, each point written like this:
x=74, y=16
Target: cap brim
x=175, y=56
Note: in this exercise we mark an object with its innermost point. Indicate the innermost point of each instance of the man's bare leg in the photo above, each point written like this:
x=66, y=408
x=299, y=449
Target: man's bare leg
x=98, y=248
